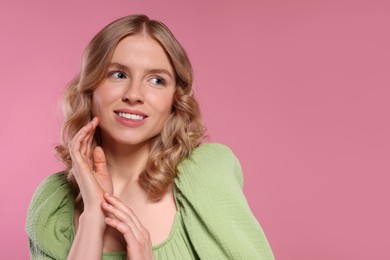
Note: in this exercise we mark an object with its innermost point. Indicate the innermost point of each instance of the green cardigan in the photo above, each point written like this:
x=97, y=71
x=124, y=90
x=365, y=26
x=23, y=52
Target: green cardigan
x=213, y=219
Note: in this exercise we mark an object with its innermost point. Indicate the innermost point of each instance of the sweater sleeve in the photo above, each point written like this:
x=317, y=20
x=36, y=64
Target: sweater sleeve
x=49, y=223
x=216, y=215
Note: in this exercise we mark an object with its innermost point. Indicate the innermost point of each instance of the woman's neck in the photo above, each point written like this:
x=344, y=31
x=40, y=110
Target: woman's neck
x=125, y=162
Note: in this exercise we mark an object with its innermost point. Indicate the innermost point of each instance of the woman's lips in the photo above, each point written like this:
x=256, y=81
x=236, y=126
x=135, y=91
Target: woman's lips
x=135, y=117
x=130, y=117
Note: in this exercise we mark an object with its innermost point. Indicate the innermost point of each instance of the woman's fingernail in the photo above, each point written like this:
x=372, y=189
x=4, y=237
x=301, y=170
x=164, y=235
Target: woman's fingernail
x=107, y=195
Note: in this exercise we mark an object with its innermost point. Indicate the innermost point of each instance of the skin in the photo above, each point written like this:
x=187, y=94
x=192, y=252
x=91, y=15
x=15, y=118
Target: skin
x=117, y=215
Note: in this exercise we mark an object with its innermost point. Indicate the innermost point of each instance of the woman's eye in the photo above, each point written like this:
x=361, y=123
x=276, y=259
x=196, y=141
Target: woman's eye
x=118, y=75
x=158, y=81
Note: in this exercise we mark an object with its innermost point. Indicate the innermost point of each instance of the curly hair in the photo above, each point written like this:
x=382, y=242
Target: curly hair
x=183, y=130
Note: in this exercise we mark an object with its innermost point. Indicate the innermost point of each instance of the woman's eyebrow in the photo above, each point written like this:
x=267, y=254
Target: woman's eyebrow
x=159, y=71
x=118, y=66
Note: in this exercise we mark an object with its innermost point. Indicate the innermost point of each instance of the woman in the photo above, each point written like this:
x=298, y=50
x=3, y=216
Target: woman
x=138, y=183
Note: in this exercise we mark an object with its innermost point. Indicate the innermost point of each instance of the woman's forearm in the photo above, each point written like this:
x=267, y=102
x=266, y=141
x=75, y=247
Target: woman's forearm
x=88, y=242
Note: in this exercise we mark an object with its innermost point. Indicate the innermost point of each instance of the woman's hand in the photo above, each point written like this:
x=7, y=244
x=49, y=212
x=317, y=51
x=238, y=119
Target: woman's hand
x=122, y=218
x=90, y=168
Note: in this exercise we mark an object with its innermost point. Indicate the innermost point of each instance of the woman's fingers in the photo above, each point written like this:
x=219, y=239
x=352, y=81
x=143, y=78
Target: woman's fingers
x=85, y=130
x=137, y=248
x=86, y=142
x=78, y=147
x=118, y=204
x=119, y=210
x=101, y=172
x=122, y=213
x=99, y=160
x=125, y=221
x=122, y=227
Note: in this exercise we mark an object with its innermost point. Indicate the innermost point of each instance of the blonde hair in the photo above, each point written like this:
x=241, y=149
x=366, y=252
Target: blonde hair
x=183, y=130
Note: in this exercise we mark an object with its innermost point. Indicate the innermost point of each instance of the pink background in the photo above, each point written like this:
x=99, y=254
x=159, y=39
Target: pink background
x=298, y=89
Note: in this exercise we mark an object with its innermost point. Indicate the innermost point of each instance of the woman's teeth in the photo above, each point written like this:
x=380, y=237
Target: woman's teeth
x=130, y=116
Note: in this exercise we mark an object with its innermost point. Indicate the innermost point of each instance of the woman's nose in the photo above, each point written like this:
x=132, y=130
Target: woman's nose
x=133, y=93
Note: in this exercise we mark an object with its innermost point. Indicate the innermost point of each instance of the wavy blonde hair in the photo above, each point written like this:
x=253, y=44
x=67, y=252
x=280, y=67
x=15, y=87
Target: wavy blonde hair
x=183, y=130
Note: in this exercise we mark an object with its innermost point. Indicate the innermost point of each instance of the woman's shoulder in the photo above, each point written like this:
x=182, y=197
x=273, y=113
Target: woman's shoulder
x=49, y=223
x=214, y=209
x=55, y=187
x=51, y=183
x=210, y=163
x=215, y=149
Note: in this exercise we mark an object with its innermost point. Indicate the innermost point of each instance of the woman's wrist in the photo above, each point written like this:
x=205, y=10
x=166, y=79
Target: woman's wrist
x=88, y=242
x=95, y=220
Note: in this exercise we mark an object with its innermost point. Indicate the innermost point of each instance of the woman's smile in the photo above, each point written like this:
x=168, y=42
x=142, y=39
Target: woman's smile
x=130, y=118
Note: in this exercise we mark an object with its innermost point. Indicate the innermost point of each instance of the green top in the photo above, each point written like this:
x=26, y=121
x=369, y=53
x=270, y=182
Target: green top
x=213, y=219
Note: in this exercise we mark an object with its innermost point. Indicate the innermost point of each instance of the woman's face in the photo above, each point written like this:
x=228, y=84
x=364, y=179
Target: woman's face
x=135, y=98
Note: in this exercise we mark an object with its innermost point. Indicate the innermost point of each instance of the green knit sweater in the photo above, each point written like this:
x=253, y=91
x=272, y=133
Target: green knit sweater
x=213, y=219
